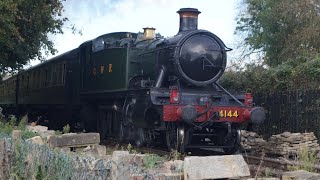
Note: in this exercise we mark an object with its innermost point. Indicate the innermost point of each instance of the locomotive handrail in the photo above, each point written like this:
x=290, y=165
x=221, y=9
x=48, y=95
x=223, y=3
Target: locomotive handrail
x=229, y=94
x=155, y=50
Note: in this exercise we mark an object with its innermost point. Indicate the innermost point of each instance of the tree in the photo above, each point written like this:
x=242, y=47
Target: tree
x=24, y=29
x=281, y=29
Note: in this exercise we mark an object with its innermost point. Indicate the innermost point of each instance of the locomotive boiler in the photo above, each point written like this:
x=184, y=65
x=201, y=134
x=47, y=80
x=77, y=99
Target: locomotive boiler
x=144, y=88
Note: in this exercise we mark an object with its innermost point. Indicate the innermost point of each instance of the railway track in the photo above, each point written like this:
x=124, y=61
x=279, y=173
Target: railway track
x=275, y=165
x=260, y=163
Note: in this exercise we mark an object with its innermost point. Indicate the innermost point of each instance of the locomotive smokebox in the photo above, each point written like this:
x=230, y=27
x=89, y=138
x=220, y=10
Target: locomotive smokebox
x=188, y=19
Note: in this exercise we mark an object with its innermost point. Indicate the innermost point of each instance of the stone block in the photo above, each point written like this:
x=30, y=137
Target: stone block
x=137, y=177
x=36, y=140
x=174, y=166
x=120, y=165
x=73, y=140
x=64, y=149
x=300, y=175
x=137, y=159
x=264, y=178
x=16, y=134
x=169, y=176
x=45, y=134
x=94, y=150
x=215, y=167
x=37, y=128
x=4, y=160
x=101, y=150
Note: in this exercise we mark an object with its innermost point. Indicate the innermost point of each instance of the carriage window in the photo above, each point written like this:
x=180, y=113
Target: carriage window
x=98, y=45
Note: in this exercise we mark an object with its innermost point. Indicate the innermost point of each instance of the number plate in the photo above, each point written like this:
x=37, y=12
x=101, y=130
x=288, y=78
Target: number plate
x=228, y=113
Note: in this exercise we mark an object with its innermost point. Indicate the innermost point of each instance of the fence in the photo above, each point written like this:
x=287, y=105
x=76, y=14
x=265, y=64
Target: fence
x=294, y=111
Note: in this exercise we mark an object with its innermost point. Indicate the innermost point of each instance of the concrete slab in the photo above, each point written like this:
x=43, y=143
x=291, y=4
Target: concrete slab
x=263, y=179
x=120, y=165
x=300, y=175
x=45, y=134
x=215, y=167
x=37, y=128
x=169, y=176
x=36, y=140
x=73, y=140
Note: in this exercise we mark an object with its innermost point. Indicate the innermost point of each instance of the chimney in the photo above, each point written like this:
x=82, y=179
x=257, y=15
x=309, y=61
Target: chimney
x=149, y=33
x=188, y=19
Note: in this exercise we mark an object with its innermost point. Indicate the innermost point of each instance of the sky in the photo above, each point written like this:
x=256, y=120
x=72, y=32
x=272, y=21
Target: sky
x=97, y=17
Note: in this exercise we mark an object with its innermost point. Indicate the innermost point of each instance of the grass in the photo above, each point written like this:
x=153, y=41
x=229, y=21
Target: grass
x=66, y=129
x=152, y=161
x=8, y=125
x=307, y=159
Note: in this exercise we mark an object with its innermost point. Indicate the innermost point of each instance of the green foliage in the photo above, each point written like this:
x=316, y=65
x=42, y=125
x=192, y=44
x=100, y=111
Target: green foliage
x=6, y=128
x=23, y=122
x=282, y=30
x=24, y=30
x=131, y=149
x=57, y=132
x=268, y=173
x=308, y=159
x=289, y=75
x=40, y=174
x=12, y=120
x=174, y=155
x=152, y=161
x=26, y=134
x=66, y=129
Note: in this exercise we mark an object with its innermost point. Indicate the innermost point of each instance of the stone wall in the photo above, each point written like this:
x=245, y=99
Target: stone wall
x=26, y=159
x=285, y=144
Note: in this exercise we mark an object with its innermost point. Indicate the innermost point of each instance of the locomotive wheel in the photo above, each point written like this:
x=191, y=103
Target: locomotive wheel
x=235, y=142
x=175, y=138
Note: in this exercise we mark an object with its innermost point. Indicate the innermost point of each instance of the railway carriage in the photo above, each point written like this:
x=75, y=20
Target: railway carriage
x=142, y=88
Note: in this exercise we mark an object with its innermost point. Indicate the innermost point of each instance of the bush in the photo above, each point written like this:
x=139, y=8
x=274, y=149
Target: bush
x=296, y=74
x=152, y=161
x=66, y=129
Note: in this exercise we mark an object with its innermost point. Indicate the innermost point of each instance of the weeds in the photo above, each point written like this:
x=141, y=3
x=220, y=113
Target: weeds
x=58, y=133
x=268, y=172
x=23, y=122
x=131, y=149
x=66, y=129
x=152, y=161
x=307, y=159
x=174, y=155
x=8, y=125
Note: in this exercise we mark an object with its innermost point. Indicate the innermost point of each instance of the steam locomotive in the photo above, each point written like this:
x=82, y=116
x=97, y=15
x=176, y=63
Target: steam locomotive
x=141, y=88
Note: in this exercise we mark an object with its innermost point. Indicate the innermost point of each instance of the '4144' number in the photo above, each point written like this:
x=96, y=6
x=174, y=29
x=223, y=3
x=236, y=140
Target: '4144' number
x=228, y=113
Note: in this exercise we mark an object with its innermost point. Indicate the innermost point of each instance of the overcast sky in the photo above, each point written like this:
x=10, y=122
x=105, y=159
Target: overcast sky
x=97, y=17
